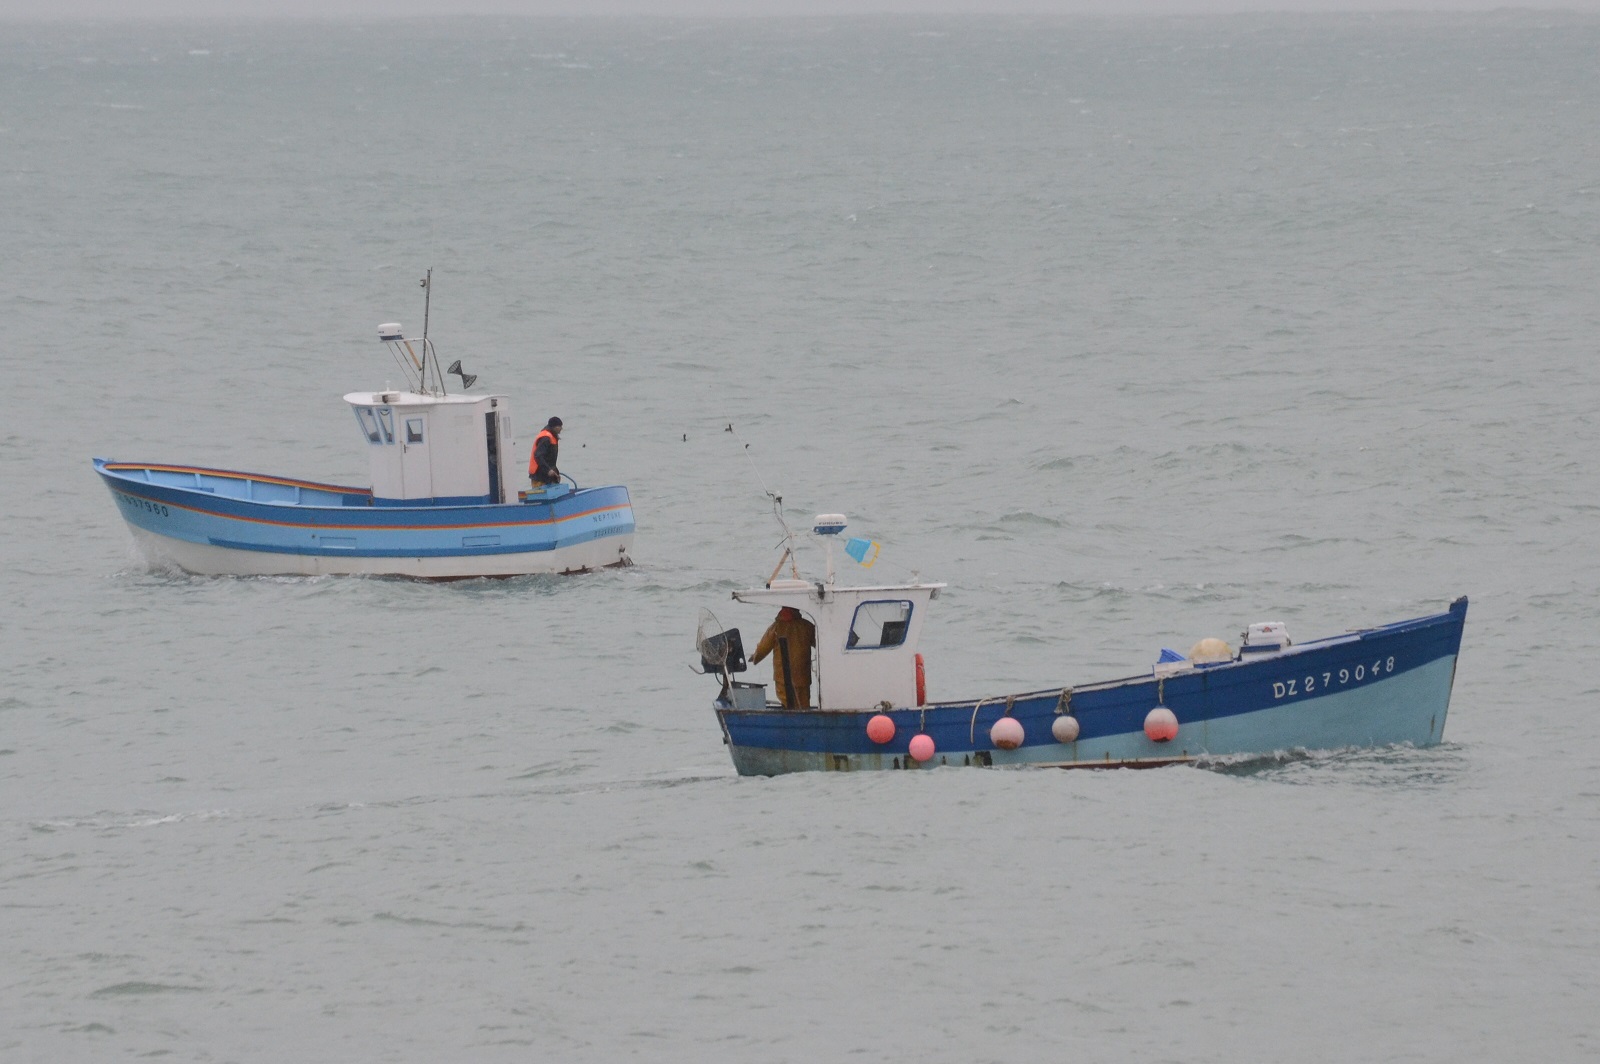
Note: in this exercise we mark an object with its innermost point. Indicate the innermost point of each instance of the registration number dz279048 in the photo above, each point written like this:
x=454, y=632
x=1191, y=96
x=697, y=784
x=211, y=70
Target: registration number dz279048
x=1344, y=675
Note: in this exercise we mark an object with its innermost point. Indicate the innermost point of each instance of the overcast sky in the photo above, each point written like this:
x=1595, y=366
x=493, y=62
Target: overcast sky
x=339, y=8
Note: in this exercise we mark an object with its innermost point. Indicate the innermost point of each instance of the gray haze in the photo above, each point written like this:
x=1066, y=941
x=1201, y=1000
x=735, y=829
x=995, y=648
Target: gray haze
x=1132, y=330
x=119, y=9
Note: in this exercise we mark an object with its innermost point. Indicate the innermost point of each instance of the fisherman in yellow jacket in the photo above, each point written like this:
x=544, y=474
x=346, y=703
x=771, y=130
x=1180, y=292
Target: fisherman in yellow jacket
x=792, y=636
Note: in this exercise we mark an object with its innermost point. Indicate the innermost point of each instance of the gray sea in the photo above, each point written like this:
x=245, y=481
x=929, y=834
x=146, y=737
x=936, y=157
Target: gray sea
x=1133, y=331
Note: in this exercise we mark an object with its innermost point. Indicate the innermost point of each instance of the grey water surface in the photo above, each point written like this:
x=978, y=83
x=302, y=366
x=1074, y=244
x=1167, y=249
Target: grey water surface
x=1134, y=331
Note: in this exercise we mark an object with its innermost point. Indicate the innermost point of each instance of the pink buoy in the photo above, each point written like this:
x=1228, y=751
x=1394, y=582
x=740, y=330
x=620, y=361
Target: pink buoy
x=1161, y=725
x=921, y=747
x=1007, y=733
x=1065, y=729
x=880, y=729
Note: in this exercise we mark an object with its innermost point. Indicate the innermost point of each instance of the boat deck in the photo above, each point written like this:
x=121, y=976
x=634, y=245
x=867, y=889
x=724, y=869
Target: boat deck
x=249, y=487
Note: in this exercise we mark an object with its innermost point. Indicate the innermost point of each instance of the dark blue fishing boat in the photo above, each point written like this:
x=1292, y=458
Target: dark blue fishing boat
x=1388, y=685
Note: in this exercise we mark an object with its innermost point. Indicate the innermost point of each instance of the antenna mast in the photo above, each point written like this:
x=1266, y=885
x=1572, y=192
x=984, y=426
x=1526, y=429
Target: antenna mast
x=777, y=511
x=427, y=307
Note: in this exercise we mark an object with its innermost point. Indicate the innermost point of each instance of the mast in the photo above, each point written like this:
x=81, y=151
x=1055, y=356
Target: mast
x=427, y=308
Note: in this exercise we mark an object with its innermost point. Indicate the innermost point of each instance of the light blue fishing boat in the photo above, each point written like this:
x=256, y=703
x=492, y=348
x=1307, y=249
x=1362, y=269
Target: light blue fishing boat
x=444, y=501
x=1388, y=685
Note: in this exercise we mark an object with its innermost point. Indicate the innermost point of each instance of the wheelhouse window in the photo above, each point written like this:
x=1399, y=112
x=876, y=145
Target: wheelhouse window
x=413, y=430
x=879, y=624
x=368, y=420
x=386, y=422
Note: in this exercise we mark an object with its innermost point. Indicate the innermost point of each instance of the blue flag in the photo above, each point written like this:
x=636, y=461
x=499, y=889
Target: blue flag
x=864, y=551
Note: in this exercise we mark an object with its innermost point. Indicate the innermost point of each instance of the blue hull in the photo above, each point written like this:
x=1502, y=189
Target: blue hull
x=1383, y=686
x=222, y=522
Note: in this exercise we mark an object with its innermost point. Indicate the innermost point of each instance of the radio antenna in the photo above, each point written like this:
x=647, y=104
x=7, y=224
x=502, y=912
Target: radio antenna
x=768, y=492
x=427, y=308
x=777, y=511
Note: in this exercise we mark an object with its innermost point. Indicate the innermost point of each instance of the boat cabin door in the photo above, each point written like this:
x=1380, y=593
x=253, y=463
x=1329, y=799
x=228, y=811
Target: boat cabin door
x=416, y=465
x=497, y=433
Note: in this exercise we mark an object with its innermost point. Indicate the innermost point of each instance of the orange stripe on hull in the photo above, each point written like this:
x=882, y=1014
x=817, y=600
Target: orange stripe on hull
x=228, y=474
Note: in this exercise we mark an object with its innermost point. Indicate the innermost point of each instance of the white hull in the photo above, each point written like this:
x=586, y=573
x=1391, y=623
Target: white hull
x=205, y=559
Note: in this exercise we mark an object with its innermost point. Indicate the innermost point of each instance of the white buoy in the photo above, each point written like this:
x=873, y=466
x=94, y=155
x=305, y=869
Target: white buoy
x=1065, y=729
x=1161, y=725
x=1007, y=733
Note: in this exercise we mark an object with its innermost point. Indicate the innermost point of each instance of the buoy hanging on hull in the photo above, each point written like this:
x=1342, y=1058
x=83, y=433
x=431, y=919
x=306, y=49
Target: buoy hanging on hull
x=1007, y=733
x=1161, y=725
x=1065, y=729
x=921, y=747
x=880, y=729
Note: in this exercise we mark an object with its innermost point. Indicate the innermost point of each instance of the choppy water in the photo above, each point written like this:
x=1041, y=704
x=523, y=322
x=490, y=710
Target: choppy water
x=1133, y=331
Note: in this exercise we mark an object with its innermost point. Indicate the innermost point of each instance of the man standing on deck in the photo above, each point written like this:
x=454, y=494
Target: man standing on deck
x=546, y=446
x=792, y=636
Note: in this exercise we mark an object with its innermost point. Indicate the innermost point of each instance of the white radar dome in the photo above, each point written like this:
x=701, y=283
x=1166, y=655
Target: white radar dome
x=829, y=524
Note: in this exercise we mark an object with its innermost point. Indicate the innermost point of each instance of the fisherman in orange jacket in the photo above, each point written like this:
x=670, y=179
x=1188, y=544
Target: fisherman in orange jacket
x=792, y=636
x=542, y=462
